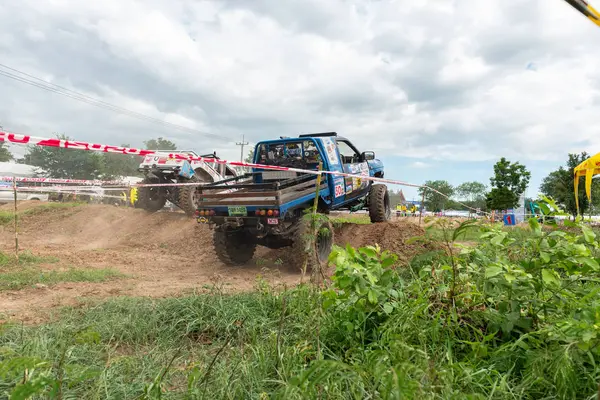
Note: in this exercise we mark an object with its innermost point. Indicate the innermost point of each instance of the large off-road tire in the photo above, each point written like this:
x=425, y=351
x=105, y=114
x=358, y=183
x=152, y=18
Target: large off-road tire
x=187, y=198
x=151, y=199
x=234, y=247
x=379, y=203
x=312, y=245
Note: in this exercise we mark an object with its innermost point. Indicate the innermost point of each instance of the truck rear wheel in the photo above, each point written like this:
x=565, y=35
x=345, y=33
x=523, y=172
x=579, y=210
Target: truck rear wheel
x=151, y=198
x=379, y=203
x=312, y=245
x=187, y=198
x=233, y=246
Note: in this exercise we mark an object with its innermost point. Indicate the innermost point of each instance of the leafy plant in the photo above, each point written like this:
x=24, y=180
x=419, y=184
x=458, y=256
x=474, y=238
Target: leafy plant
x=365, y=289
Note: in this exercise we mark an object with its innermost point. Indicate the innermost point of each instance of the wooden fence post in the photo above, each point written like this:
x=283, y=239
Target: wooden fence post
x=422, y=206
x=16, y=219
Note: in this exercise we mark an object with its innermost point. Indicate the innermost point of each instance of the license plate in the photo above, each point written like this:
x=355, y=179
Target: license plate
x=272, y=221
x=237, y=211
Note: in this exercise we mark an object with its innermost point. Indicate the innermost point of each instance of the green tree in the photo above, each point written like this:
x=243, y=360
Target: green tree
x=5, y=154
x=559, y=185
x=472, y=194
x=66, y=163
x=116, y=164
x=250, y=157
x=470, y=191
x=508, y=183
x=160, y=144
x=435, y=201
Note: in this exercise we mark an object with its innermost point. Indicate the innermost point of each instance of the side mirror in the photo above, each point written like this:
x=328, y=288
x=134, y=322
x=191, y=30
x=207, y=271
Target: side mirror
x=368, y=155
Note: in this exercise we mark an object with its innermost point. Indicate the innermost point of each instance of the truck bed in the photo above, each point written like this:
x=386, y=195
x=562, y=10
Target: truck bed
x=248, y=193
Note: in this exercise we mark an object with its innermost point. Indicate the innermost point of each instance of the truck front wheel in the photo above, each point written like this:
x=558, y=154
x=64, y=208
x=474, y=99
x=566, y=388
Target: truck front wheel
x=379, y=203
x=313, y=244
x=233, y=246
x=151, y=198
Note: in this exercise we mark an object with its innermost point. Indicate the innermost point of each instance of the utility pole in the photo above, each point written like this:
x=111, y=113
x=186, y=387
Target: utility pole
x=242, y=144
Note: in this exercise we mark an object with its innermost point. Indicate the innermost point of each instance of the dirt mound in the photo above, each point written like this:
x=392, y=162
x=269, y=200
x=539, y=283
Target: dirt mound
x=90, y=227
x=162, y=254
x=22, y=205
x=104, y=227
x=391, y=236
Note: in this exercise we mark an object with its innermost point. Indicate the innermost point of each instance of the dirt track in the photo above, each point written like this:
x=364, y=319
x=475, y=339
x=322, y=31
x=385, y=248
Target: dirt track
x=165, y=254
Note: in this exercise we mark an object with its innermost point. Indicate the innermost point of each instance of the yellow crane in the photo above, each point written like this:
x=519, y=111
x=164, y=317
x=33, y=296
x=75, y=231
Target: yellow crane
x=583, y=7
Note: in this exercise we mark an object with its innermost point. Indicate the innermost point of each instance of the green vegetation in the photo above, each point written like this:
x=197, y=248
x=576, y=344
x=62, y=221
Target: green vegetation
x=5, y=154
x=508, y=183
x=25, y=272
x=7, y=216
x=360, y=219
x=27, y=276
x=25, y=258
x=560, y=185
x=436, y=201
x=516, y=317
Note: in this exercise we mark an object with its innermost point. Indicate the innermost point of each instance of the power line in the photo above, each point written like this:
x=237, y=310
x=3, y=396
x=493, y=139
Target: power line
x=51, y=87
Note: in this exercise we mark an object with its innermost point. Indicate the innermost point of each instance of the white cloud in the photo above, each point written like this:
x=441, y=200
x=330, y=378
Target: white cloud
x=419, y=164
x=437, y=79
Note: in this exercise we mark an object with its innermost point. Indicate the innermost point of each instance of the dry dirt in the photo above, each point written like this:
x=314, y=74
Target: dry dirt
x=163, y=254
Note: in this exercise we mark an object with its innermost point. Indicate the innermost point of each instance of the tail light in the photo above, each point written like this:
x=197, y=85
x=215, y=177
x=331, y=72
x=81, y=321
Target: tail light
x=197, y=213
x=205, y=213
x=270, y=213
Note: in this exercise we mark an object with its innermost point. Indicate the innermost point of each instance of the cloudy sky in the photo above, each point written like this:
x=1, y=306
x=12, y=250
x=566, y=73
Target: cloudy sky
x=439, y=89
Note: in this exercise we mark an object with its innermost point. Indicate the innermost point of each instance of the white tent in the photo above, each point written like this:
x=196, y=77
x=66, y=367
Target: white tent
x=18, y=170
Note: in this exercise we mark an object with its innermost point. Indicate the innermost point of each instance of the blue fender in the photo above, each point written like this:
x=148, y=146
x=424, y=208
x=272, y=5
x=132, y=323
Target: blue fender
x=375, y=167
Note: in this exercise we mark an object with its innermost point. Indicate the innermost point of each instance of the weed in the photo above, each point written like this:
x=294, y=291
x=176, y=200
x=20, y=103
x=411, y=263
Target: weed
x=360, y=219
x=7, y=217
x=25, y=258
x=27, y=276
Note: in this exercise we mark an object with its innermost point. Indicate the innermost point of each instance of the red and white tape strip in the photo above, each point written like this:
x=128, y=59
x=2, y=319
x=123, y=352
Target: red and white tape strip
x=61, y=191
x=57, y=180
x=78, y=145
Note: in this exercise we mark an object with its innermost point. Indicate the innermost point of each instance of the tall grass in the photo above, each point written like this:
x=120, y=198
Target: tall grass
x=507, y=319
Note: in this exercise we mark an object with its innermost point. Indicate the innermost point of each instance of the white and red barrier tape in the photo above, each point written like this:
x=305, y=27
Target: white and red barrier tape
x=21, y=139
x=58, y=180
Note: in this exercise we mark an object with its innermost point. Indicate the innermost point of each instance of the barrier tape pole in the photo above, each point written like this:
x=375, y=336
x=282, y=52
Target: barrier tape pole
x=78, y=145
x=16, y=220
x=422, y=205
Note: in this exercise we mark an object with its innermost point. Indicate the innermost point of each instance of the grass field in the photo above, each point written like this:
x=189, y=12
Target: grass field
x=26, y=272
x=515, y=317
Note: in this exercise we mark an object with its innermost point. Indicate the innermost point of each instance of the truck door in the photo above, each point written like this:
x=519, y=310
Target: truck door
x=352, y=164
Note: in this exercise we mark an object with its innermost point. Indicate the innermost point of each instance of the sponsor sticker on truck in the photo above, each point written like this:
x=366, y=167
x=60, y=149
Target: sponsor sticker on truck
x=331, y=151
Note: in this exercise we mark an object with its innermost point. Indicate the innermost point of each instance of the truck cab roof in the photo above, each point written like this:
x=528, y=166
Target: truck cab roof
x=315, y=135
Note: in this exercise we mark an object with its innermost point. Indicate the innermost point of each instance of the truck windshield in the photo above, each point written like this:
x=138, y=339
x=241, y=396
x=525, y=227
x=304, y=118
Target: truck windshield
x=296, y=154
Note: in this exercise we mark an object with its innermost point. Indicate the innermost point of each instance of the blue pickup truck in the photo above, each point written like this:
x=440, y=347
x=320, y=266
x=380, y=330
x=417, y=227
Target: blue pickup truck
x=266, y=207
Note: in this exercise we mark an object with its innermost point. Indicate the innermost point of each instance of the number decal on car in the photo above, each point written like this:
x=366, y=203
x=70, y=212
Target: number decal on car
x=339, y=190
